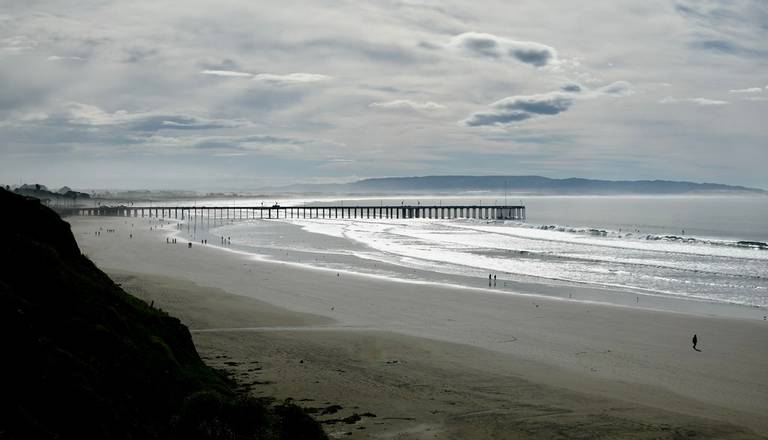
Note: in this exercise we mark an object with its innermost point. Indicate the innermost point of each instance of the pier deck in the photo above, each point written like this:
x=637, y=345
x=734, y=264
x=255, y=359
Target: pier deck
x=513, y=212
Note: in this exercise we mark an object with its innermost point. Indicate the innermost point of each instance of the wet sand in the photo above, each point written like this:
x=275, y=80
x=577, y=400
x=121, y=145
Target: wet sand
x=431, y=361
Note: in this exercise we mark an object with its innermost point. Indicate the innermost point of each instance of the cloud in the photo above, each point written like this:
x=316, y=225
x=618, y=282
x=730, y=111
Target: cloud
x=249, y=143
x=64, y=58
x=705, y=101
x=76, y=113
x=572, y=87
x=748, y=90
x=259, y=143
x=227, y=73
x=729, y=48
x=378, y=52
x=491, y=46
x=521, y=108
x=736, y=28
x=698, y=101
x=16, y=44
x=139, y=54
x=618, y=88
x=406, y=104
x=224, y=142
x=291, y=78
x=191, y=93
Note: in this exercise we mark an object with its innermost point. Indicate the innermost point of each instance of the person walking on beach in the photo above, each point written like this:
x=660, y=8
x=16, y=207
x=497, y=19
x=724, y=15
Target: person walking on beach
x=489, y=280
x=695, y=341
x=494, y=280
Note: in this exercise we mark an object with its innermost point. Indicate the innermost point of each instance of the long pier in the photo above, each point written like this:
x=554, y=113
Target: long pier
x=515, y=212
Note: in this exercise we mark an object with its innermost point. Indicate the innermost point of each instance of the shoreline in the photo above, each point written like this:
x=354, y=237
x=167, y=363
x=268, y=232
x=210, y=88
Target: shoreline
x=640, y=357
x=534, y=287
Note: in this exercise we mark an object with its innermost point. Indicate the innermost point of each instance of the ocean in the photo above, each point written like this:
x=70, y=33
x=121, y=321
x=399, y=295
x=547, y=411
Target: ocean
x=705, y=248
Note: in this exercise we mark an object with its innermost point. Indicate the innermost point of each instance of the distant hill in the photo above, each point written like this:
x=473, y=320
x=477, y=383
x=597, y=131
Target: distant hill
x=82, y=359
x=42, y=192
x=519, y=184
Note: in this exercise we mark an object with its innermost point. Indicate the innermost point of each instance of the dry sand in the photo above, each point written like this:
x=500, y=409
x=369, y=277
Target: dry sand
x=432, y=361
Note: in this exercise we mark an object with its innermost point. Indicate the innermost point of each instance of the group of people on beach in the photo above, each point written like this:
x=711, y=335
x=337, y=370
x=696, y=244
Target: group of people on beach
x=491, y=279
x=204, y=241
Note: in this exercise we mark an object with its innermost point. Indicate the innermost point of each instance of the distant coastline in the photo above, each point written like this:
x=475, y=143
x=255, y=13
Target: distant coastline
x=531, y=185
x=458, y=186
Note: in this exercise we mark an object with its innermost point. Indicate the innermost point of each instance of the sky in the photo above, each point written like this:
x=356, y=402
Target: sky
x=241, y=94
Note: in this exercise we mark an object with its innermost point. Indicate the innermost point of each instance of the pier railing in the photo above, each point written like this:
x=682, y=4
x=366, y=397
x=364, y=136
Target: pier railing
x=515, y=212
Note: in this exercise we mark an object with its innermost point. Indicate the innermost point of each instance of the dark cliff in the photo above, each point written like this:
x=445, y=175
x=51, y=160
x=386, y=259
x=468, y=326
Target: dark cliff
x=83, y=359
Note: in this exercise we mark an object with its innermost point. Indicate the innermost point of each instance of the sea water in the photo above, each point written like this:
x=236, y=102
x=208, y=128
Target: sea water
x=702, y=248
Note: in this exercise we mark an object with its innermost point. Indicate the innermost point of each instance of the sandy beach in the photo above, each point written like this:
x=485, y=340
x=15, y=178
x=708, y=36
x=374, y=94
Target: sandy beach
x=375, y=358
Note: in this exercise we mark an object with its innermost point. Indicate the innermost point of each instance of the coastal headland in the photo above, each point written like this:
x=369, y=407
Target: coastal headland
x=376, y=358
x=84, y=359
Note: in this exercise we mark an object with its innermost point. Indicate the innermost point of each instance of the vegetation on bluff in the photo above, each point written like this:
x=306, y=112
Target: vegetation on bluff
x=83, y=359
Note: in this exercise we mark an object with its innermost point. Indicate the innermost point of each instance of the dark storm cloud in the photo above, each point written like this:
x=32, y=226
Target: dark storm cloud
x=547, y=104
x=571, y=87
x=521, y=108
x=499, y=117
x=491, y=46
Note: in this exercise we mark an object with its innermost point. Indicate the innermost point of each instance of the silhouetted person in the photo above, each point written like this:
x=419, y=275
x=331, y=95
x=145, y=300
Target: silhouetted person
x=489, y=280
x=494, y=281
x=695, y=341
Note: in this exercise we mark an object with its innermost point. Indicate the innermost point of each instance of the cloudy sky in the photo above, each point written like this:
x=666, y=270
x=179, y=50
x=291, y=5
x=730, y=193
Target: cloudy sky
x=238, y=94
